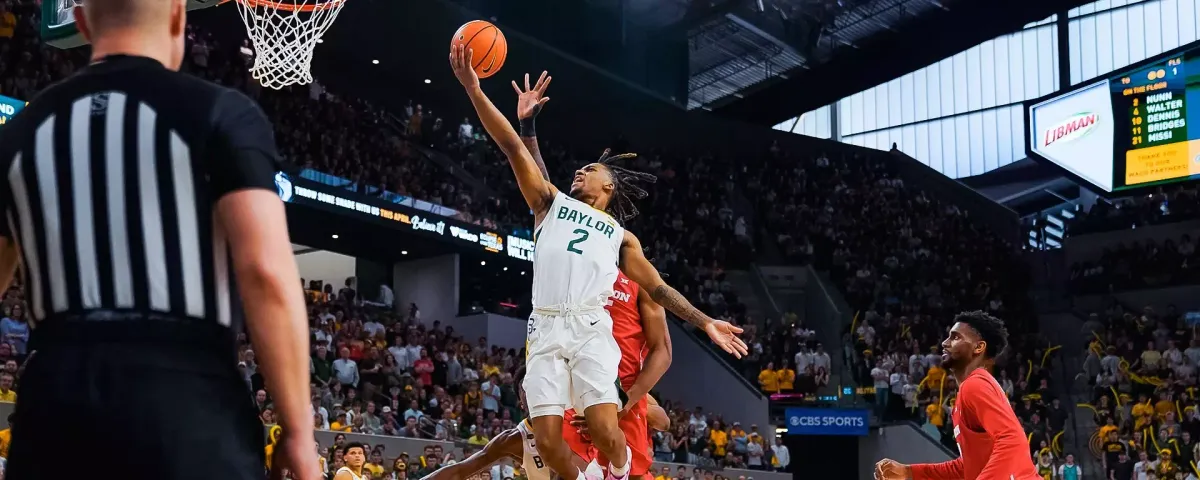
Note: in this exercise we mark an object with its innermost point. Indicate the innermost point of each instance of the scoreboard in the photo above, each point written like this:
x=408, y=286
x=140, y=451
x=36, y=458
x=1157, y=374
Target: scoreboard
x=1127, y=131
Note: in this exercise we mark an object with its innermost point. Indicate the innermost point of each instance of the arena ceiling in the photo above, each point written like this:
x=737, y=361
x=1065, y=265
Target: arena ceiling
x=760, y=61
x=859, y=45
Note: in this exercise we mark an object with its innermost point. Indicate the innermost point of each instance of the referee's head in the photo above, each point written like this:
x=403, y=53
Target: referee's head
x=144, y=28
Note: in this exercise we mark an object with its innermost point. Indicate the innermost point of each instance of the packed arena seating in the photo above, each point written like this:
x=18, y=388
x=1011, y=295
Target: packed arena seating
x=386, y=374
x=1151, y=263
x=1141, y=367
x=1168, y=205
x=429, y=386
x=905, y=260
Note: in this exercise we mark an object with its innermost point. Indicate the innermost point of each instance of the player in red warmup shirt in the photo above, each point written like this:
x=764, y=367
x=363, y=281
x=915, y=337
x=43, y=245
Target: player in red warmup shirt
x=990, y=440
x=640, y=328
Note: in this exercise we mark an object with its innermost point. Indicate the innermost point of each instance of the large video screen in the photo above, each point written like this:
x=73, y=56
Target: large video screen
x=1128, y=131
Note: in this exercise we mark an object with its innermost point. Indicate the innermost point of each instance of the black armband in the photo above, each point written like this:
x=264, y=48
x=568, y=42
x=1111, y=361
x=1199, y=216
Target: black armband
x=527, y=127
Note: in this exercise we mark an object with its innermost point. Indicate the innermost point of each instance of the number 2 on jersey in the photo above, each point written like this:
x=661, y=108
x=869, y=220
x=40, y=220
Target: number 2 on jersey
x=583, y=235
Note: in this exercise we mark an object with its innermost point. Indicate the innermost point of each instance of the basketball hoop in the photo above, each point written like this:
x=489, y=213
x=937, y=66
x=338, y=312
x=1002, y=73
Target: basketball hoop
x=284, y=34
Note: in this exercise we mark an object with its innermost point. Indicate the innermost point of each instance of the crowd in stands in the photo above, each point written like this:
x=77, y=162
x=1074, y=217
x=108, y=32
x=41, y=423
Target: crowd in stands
x=905, y=261
x=1141, y=366
x=376, y=371
x=1167, y=205
x=1150, y=263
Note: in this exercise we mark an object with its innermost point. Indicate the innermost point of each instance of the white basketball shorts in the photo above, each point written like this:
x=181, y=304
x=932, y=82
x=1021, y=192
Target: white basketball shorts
x=571, y=361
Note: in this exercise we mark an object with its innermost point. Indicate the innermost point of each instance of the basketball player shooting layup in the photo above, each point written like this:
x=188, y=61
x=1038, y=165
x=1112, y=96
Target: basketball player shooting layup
x=639, y=324
x=572, y=357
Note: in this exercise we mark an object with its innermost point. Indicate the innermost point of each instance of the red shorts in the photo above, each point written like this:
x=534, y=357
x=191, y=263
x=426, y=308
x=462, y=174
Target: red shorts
x=637, y=437
x=580, y=445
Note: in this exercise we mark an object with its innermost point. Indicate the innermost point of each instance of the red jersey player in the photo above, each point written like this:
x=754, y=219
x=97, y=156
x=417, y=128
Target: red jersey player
x=640, y=328
x=990, y=440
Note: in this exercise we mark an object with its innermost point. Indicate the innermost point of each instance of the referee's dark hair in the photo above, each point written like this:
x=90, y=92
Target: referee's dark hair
x=991, y=330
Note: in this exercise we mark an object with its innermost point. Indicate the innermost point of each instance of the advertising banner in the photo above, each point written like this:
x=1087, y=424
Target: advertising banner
x=827, y=421
x=9, y=107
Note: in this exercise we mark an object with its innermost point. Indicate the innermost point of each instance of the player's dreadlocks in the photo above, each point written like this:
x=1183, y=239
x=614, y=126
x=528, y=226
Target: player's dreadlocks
x=625, y=186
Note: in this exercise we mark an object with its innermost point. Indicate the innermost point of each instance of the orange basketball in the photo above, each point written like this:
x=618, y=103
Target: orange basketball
x=486, y=42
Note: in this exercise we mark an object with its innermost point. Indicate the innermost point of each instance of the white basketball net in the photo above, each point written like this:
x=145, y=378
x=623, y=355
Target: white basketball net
x=284, y=39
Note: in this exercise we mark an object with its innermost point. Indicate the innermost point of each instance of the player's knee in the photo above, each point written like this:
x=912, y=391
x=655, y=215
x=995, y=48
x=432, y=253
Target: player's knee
x=606, y=434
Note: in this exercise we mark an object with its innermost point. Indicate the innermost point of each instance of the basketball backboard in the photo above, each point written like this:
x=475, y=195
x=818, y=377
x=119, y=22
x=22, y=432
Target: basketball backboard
x=58, y=24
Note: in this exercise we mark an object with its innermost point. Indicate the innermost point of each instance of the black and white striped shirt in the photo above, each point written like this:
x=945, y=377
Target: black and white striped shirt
x=109, y=188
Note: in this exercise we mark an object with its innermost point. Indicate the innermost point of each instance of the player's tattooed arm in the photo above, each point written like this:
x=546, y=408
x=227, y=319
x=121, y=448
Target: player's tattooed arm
x=640, y=270
x=529, y=105
x=675, y=302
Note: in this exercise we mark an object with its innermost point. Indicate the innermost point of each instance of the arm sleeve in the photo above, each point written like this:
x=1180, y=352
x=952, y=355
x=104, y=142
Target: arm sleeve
x=987, y=409
x=951, y=470
x=241, y=150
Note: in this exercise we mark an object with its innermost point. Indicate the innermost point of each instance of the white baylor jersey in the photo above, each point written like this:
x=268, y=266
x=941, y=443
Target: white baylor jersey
x=575, y=256
x=531, y=461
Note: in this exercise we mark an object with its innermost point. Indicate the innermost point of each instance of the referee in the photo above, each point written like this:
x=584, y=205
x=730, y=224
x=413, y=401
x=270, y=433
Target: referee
x=133, y=195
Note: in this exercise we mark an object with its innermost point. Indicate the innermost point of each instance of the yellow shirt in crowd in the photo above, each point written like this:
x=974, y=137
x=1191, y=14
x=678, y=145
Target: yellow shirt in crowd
x=769, y=380
x=8, y=24
x=719, y=439
x=933, y=379
x=787, y=377
x=1163, y=406
x=489, y=370
x=478, y=440
x=338, y=427
x=934, y=412
x=5, y=441
x=375, y=469
x=473, y=399
x=9, y=396
x=736, y=433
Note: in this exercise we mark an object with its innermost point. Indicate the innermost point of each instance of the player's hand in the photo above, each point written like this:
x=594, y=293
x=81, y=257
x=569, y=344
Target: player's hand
x=581, y=426
x=530, y=100
x=295, y=457
x=724, y=334
x=461, y=61
x=888, y=469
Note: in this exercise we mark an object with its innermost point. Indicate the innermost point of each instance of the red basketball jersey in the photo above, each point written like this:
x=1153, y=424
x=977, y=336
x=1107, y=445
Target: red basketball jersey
x=627, y=328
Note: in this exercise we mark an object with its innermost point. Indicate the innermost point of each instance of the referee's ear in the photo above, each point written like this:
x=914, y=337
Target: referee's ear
x=81, y=22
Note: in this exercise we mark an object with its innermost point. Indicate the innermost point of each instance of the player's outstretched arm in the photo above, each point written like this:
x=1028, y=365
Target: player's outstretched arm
x=639, y=269
x=538, y=192
x=505, y=445
x=948, y=470
x=658, y=341
x=529, y=105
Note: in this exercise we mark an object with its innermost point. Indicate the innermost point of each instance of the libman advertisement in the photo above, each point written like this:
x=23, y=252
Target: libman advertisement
x=1075, y=131
x=10, y=107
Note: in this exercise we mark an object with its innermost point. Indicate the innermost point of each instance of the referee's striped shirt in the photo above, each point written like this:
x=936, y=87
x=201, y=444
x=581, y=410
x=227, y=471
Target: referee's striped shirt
x=110, y=183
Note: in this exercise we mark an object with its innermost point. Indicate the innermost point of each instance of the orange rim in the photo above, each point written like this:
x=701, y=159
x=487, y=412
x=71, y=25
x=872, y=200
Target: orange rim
x=293, y=7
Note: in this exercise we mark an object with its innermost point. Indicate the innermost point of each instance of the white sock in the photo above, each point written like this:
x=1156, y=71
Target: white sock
x=581, y=476
x=622, y=471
